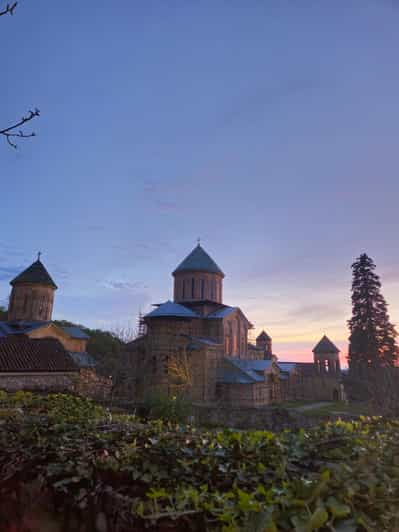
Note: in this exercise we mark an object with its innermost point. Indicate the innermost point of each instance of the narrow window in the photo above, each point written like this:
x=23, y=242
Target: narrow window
x=184, y=288
x=192, y=287
x=202, y=289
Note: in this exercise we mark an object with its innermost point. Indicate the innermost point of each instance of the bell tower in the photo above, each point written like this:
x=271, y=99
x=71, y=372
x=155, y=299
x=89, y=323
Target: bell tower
x=32, y=294
x=263, y=341
x=326, y=357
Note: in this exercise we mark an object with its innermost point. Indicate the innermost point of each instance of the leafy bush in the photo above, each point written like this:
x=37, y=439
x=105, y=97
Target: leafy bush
x=341, y=477
x=175, y=409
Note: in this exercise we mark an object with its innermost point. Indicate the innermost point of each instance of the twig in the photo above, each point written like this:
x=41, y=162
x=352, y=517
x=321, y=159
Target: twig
x=10, y=131
x=9, y=9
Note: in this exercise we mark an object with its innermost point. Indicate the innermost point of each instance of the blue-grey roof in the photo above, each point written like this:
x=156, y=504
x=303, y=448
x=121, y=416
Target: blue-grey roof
x=75, y=332
x=198, y=261
x=83, y=360
x=23, y=327
x=251, y=365
x=222, y=313
x=286, y=366
x=242, y=371
x=197, y=342
x=172, y=310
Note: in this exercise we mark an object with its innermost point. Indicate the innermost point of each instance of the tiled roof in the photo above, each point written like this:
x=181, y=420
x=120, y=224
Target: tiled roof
x=198, y=261
x=22, y=354
x=171, y=310
x=325, y=346
x=36, y=273
x=83, y=360
x=75, y=332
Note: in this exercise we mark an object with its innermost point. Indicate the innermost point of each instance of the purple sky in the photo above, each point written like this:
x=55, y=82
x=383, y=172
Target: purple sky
x=269, y=129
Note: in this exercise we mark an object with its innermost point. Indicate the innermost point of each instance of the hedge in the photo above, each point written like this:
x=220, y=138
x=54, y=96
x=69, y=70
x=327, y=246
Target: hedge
x=67, y=464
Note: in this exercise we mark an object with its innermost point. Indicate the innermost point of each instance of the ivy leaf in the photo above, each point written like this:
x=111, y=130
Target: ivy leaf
x=319, y=518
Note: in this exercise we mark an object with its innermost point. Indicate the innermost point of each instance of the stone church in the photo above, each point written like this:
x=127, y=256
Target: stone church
x=35, y=352
x=198, y=343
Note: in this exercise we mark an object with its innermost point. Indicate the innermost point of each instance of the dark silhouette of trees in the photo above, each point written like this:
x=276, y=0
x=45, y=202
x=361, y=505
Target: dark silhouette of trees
x=372, y=341
x=12, y=131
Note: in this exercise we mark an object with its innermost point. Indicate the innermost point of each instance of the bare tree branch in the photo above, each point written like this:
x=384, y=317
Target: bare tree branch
x=9, y=9
x=11, y=131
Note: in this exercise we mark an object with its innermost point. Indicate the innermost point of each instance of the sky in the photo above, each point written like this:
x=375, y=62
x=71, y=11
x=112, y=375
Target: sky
x=269, y=129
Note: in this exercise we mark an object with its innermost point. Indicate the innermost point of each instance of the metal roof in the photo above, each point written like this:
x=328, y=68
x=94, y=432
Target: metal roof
x=251, y=365
x=222, y=313
x=75, y=332
x=242, y=371
x=172, y=310
x=287, y=366
x=36, y=273
x=263, y=336
x=24, y=326
x=325, y=346
x=83, y=360
x=198, y=261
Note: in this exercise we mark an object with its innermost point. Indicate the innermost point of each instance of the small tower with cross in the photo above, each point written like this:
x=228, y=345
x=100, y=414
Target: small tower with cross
x=32, y=294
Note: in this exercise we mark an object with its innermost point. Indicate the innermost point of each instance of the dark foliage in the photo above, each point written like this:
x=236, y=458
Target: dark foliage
x=66, y=464
x=3, y=313
x=103, y=346
x=372, y=341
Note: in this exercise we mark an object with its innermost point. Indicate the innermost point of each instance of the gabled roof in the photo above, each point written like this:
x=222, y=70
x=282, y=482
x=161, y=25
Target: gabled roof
x=75, y=332
x=36, y=273
x=263, y=336
x=171, y=310
x=325, y=346
x=243, y=371
x=20, y=354
x=198, y=261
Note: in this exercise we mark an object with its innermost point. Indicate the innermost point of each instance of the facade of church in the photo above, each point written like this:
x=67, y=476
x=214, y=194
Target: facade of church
x=198, y=344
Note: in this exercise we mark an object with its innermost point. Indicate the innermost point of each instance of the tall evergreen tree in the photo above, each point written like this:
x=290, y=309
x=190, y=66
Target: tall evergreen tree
x=372, y=341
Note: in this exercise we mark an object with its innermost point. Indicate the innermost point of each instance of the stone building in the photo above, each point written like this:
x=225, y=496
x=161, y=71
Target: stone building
x=198, y=343
x=35, y=352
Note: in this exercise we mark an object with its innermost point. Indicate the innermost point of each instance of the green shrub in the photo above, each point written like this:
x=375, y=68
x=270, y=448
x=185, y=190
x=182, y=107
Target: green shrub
x=174, y=409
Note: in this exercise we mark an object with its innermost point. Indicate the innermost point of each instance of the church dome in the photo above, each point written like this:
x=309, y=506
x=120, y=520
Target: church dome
x=198, y=261
x=198, y=278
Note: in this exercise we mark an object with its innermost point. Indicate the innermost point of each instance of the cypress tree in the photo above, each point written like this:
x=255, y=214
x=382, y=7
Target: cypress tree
x=372, y=341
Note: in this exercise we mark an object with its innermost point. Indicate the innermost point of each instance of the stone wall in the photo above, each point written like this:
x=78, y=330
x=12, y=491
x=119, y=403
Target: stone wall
x=40, y=382
x=31, y=302
x=266, y=418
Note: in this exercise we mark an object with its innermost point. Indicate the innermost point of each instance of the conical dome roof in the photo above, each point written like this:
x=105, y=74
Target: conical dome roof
x=325, y=346
x=36, y=273
x=198, y=261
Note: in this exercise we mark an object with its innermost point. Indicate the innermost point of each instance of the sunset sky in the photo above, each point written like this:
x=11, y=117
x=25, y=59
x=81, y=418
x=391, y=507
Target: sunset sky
x=268, y=128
